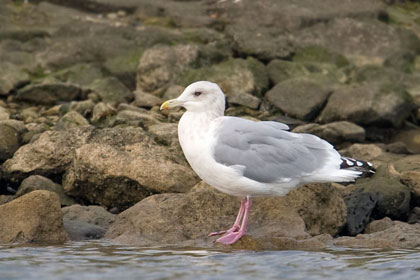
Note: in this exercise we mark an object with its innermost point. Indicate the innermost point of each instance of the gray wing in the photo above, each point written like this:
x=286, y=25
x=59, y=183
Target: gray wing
x=267, y=151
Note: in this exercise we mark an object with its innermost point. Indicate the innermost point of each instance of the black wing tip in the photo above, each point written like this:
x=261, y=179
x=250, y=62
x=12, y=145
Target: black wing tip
x=358, y=165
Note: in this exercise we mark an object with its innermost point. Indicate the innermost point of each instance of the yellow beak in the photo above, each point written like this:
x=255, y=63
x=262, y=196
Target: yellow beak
x=169, y=104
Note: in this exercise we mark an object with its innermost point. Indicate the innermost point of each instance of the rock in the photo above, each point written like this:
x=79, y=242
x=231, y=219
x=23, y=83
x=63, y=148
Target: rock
x=379, y=225
x=367, y=105
x=48, y=93
x=244, y=99
x=85, y=107
x=50, y=154
x=410, y=138
x=393, y=198
x=71, y=120
x=188, y=218
x=160, y=65
x=376, y=40
x=321, y=206
x=400, y=235
x=4, y=114
x=407, y=170
x=11, y=132
x=29, y=114
x=77, y=230
x=233, y=76
x=34, y=217
x=5, y=199
x=165, y=133
x=360, y=205
x=320, y=54
x=102, y=111
x=92, y=214
x=36, y=182
x=298, y=98
x=143, y=99
x=82, y=74
x=118, y=167
x=173, y=92
x=86, y=222
x=414, y=216
x=111, y=90
x=136, y=118
x=11, y=77
x=335, y=132
x=366, y=152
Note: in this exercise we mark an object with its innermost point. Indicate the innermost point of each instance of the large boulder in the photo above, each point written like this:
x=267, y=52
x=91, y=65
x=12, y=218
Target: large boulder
x=119, y=167
x=368, y=104
x=186, y=219
x=34, y=217
x=299, y=98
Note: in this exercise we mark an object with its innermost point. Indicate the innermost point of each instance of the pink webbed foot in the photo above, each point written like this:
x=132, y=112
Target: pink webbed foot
x=236, y=232
x=230, y=238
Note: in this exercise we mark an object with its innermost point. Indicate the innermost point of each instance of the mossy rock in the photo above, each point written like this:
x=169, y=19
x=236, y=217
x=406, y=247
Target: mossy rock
x=320, y=54
x=82, y=74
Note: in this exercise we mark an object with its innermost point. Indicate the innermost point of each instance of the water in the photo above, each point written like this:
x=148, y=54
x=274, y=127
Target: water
x=100, y=260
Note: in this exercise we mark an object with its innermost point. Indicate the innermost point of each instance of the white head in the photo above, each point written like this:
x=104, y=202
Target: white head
x=199, y=97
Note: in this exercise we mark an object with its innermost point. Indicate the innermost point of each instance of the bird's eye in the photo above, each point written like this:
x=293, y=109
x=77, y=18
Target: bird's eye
x=197, y=93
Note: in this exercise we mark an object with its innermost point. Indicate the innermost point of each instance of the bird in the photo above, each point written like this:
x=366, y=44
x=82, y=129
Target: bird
x=247, y=158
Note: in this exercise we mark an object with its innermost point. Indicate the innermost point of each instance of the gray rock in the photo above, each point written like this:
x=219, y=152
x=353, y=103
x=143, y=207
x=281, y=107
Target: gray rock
x=360, y=205
x=368, y=104
x=244, y=99
x=82, y=74
x=335, y=132
x=78, y=230
x=71, y=120
x=36, y=182
x=111, y=90
x=173, y=92
x=11, y=132
x=161, y=64
x=48, y=93
x=299, y=98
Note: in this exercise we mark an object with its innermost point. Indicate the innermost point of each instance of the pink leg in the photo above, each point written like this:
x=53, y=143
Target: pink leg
x=232, y=237
x=236, y=225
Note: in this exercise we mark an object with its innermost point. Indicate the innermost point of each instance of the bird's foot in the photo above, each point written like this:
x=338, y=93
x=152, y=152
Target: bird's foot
x=235, y=228
x=230, y=238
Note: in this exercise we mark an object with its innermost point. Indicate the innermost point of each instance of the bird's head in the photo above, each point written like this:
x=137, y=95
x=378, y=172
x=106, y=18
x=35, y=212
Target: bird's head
x=199, y=97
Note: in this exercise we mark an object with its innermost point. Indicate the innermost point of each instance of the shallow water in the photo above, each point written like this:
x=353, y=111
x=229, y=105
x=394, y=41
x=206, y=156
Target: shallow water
x=101, y=260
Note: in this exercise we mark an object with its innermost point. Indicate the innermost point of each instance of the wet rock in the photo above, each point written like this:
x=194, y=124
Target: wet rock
x=335, y=132
x=71, y=120
x=39, y=219
x=299, y=98
x=233, y=76
x=48, y=93
x=111, y=90
x=393, y=198
x=188, y=218
x=118, y=167
x=379, y=225
x=360, y=205
x=86, y=222
x=399, y=235
x=321, y=206
x=161, y=64
x=367, y=105
x=36, y=182
x=11, y=132
x=143, y=99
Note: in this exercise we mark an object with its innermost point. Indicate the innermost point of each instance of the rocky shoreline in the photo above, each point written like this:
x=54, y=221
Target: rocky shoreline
x=85, y=152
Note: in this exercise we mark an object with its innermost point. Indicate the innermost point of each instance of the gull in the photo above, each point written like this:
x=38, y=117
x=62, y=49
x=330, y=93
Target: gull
x=246, y=158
